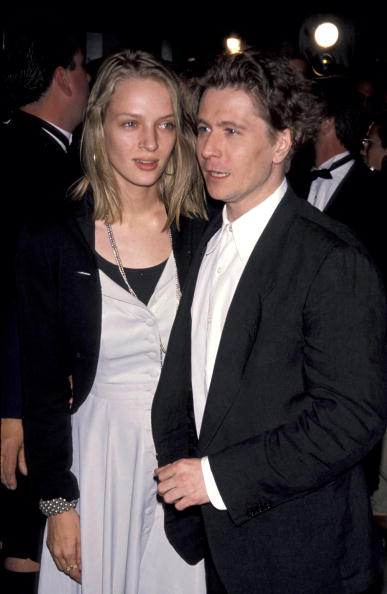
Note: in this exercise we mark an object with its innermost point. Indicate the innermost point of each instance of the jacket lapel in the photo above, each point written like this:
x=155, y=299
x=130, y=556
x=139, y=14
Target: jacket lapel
x=243, y=318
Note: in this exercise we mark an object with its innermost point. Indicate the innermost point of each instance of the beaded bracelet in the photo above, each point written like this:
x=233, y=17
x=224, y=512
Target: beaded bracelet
x=52, y=507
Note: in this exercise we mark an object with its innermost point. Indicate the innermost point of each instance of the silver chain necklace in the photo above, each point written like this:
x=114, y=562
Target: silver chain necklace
x=118, y=260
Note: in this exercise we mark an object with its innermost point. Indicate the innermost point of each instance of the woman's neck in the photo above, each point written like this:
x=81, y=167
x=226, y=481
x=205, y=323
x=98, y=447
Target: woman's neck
x=140, y=206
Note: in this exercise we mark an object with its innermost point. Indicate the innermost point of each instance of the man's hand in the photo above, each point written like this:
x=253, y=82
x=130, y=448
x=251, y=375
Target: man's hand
x=12, y=451
x=182, y=484
x=64, y=543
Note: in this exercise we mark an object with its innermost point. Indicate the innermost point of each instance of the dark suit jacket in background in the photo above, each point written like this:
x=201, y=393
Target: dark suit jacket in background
x=359, y=202
x=297, y=399
x=35, y=176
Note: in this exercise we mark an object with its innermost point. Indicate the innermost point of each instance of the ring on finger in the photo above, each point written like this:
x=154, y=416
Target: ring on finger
x=70, y=567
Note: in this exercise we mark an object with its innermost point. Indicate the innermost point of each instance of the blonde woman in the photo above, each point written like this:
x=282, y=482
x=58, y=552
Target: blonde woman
x=98, y=296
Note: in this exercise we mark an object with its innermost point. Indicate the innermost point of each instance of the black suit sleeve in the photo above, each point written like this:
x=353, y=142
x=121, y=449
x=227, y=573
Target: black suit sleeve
x=343, y=407
x=45, y=373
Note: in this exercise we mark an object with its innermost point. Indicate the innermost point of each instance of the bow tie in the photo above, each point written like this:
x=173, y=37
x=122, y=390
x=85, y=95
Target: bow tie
x=326, y=173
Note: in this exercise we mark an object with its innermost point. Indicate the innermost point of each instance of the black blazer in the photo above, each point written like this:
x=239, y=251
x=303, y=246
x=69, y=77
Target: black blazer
x=297, y=399
x=36, y=174
x=359, y=202
x=60, y=324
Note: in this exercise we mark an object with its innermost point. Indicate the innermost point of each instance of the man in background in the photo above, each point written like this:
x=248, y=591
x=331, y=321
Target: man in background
x=45, y=89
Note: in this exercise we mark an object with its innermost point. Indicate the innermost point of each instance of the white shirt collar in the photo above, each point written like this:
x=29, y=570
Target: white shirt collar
x=248, y=228
x=332, y=160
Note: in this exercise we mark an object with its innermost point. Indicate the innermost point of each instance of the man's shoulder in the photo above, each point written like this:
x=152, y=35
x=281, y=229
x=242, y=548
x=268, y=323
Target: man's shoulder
x=314, y=226
x=22, y=132
x=52, y=233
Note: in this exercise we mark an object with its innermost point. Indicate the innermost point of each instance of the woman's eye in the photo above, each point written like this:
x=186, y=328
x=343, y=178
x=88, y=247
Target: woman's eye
x=202, y=129
x=168, y=125
x=129, y=124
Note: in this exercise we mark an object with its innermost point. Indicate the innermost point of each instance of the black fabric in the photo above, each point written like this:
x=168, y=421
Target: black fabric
x=22, y=522
x=13, y=582
x=358, y=202
x=143, y=281
x=57, y=133
x=35, y=176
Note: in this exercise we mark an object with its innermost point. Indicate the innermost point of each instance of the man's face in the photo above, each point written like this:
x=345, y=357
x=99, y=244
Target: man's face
x=375, y=153
x=241, y=163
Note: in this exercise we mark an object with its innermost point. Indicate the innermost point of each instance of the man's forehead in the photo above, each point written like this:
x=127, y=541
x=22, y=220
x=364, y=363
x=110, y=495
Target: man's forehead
x=230, y=99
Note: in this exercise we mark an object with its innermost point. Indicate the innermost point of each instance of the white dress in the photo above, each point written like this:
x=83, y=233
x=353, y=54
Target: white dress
x=123, y=545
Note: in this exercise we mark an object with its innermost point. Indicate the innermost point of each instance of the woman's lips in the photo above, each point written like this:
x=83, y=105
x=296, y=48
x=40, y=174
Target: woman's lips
x=146, y=164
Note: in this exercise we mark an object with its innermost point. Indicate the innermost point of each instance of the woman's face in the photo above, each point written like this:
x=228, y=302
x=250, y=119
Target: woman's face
x=140, y=132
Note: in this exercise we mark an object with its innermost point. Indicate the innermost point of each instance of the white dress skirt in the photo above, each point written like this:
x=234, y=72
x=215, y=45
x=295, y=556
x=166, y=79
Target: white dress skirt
x=123, y=544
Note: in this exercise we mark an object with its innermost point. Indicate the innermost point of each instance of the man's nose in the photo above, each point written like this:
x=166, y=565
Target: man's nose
x=210, y=146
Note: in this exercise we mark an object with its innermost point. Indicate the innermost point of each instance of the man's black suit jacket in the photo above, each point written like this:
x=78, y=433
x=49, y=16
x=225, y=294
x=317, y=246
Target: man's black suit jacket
x=359, y=203
x=36, y=174
x=297, y=399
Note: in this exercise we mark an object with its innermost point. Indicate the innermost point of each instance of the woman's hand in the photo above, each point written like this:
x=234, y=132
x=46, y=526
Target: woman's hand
x=64, y=542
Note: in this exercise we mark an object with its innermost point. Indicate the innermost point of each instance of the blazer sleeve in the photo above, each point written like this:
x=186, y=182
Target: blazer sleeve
x=45, y=370
x=343, y=411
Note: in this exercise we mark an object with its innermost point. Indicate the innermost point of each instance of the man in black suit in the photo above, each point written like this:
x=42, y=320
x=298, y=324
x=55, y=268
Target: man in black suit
x=339, y=184
x=273, y=388
x=45, y=90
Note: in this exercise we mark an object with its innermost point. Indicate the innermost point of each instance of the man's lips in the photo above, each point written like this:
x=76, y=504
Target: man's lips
x=216, y=174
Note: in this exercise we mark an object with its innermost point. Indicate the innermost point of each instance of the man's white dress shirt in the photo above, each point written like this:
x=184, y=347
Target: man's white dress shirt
x=321, y=189
x=222, y=266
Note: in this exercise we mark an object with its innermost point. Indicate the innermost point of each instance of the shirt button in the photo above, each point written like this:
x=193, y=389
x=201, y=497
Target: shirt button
x=149, y=322
x=152, y=356
x=219, y=270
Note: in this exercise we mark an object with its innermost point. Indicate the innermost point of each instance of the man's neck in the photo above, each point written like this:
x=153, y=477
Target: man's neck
x=326, y=150
x=36, y=110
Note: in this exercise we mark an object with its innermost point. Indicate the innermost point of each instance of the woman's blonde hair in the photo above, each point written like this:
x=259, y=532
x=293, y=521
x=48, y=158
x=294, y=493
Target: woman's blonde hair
x=181, y=184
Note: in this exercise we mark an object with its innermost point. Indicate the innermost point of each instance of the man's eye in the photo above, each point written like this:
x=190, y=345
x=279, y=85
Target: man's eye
x=232, y=131
x=202, y=129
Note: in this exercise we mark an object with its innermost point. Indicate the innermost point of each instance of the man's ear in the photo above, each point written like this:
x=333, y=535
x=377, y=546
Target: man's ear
x=327, y=126
x=283, y=144
x=61, y=77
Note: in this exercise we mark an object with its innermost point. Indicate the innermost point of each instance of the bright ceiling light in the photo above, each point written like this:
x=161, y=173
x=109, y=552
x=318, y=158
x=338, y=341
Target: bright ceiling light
x=326, y=34
x=233, y=45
